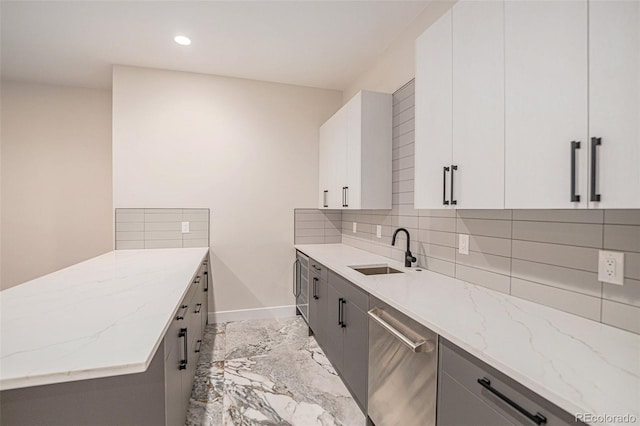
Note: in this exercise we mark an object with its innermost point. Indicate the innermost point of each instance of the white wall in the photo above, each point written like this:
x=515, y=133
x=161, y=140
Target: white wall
x=396, y=66
x=56, y=178
x=248, y=150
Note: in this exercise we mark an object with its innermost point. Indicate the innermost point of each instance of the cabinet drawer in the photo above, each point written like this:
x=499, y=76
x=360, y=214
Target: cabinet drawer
x=349, y=291
x=318, y=270
x=466, y=370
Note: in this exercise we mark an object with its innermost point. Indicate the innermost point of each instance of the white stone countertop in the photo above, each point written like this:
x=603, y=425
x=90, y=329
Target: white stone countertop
x=102, y=317
x=578, y=364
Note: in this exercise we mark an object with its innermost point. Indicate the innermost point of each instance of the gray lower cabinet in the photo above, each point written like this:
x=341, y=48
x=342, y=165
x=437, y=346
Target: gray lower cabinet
x=472, y=393
x=318, y=304
x=347, y=335
x=158, y=396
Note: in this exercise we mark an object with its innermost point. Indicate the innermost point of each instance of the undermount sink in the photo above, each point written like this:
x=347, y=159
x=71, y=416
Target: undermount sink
x=376, y=270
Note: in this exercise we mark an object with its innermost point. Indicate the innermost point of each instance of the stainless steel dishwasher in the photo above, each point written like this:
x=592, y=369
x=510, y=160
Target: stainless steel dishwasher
x=403, y=368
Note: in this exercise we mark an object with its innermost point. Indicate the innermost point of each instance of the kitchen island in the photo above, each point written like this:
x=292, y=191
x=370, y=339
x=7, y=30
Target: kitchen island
x=91, y=336
x=586, y=368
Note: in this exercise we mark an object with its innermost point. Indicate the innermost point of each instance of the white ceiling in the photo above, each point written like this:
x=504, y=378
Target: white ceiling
x=323, y=44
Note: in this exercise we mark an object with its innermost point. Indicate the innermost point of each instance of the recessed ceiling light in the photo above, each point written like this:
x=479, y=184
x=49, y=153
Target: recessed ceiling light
x=182, y=40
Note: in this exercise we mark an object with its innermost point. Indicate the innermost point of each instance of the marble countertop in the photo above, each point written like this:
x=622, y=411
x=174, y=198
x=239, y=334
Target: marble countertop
x=580, y=365
x=102, y=317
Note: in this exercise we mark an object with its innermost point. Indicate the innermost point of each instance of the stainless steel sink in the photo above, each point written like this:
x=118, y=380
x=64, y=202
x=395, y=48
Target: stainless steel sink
x=376, y=270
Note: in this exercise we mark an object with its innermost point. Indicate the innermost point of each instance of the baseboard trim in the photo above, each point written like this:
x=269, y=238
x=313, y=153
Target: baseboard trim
x=250, y=314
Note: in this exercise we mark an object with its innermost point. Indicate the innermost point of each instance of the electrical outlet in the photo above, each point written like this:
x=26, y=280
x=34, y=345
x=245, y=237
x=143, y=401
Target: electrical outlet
x=185, y=227
x=463, y=243
x=355, y=227
x=379, y=231
x=611, y=267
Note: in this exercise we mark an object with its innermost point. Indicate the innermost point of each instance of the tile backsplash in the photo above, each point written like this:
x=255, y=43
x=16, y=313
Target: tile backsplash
x=314, y=226
x=546, y=256
x=161, y=228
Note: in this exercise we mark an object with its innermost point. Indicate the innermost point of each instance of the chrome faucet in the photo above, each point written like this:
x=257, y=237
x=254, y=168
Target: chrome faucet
x=408, y=257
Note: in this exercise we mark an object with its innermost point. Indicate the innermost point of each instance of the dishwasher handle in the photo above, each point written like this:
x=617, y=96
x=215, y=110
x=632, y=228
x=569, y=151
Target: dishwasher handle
x=421, y=345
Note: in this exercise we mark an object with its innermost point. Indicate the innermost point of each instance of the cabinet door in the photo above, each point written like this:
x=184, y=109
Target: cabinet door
x=324, y=164
x=356, y=351
x=334, y=332
x=338, y=159
x=478, y=104
x=332, y=159
x=614, y=101
x=459, y=407
x=175, y=412
x=318, y=308
x=546, y=102
x=354, y=152
x=433, y=149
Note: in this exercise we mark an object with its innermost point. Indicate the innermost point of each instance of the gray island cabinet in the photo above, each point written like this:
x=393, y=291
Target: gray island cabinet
x=158, y=396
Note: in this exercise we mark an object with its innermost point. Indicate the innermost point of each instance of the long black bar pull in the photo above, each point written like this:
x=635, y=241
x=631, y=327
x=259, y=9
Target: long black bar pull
x=340, y=311
x=183, y=362
x=453, y=169
x=574, y=147
x=595, y=142
x=444, y=186
x=315, y=281
x=342, y=303
x=536, y=418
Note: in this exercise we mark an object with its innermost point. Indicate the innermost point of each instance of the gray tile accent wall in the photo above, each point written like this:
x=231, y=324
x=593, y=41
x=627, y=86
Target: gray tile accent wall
x=315, y=226
x=161, y=228
x=546, y=256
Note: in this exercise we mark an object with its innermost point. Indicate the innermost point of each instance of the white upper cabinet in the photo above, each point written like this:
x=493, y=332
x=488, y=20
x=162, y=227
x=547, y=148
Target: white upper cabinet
x=546, y=103
x=355, y=154
x=332, y=161
x=614, y=104
x=478, y=104
x=460, y=109
x=433, y=145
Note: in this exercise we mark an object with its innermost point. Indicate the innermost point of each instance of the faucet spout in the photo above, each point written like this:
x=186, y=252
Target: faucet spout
x=408, y=257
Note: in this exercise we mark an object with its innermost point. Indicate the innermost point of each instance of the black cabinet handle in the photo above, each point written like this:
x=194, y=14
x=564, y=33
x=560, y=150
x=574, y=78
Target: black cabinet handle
x=183, y=362
x=536, y=418
x=324, y=198
x=342, y=303
x=315, y=281
x=595, y=142
x=346, y=196
x=198, y=308
x=184, y=307
x=295, y=277
x=453, y=168
x=444, y=186
x=199, y=345
x=340, y=311
x=206, y=281
x=574, y=147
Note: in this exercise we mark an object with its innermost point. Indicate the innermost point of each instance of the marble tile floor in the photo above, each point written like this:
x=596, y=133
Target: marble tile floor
x=267, y=372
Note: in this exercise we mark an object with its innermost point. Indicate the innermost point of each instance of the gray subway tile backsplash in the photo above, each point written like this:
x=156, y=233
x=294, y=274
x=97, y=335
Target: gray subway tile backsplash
x=161, y=228
x=315, y=226
x=546, y=256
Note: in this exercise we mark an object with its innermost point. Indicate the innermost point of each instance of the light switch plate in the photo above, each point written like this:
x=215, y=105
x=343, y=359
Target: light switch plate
x=355, y=227
x=611, y=267
x=185, y=227
x=379, y=231
x=463, y=243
